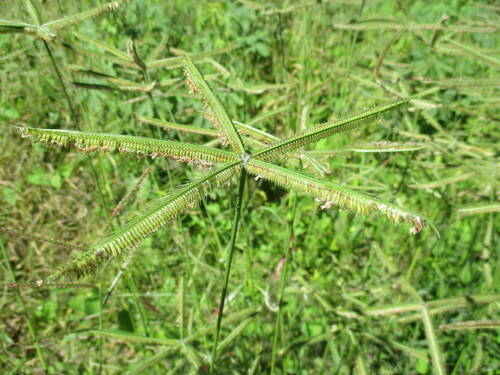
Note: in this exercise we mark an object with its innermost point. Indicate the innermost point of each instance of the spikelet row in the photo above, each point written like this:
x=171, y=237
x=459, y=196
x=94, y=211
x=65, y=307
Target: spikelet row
x=333, y=194
x=91, y=142
x=220, y=118
x=326, y=130
x=132, y=234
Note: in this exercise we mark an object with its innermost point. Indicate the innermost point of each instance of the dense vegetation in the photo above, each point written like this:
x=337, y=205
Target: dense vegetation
x=312, y=289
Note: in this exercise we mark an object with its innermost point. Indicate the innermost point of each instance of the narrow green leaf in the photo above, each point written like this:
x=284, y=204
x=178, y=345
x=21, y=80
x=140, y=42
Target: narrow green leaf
x=90, y=142
x=267, y=115
x=220, y=116
x=13, y=54
x=14, y=24
x=33, y=12
x=325, y=130
x=324, y=154
x=104, y=46
x=432, y=341
x=132, y=234
x=134, y=55
x=334, y=194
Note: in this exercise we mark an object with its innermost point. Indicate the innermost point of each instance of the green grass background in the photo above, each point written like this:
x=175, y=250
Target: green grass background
x=301, y=56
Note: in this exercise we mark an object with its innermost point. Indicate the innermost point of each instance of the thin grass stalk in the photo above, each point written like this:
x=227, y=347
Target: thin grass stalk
x=283, y=274
x=434, y=349
x=23, y=306
x=234, y=231
x=182, y=298
x=192, y=280
x=100, y=340
x=386, y=49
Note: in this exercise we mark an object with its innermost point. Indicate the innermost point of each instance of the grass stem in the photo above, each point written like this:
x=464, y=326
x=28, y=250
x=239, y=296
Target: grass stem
x=234, y=231
x=283, y=273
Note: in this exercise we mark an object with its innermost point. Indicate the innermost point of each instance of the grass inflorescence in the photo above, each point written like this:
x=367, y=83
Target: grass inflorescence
x=245, y=241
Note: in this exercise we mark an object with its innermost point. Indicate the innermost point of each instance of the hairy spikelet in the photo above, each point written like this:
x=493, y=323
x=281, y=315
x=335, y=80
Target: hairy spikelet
x=148, y=222
x=325, y=130
x=90, y=142
x=74, y=19
x=333, y=194
x=220, y=116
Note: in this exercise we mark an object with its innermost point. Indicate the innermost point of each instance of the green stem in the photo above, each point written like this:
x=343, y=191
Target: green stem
x=234, y=232
x=281, y=293
x=23, y=305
